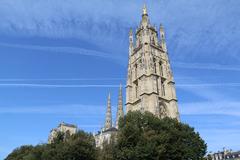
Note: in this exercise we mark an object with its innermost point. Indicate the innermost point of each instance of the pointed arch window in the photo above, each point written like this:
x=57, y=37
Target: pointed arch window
x=163, y=88
x=136, y=70
x=161, y=68
x=136, y=89
x=155, y=66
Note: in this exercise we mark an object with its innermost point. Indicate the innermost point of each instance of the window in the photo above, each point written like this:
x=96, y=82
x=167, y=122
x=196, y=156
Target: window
x=136, y=71
x=163, y=88
x=155, y=67
x=161, y=68
x=140, y=63
x=157, y=84
x=136, y=89
x=152, y=40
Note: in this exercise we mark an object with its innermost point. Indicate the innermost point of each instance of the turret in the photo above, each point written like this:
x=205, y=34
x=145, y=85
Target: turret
x=108, y=120
x=162, y=38
x=120, y=112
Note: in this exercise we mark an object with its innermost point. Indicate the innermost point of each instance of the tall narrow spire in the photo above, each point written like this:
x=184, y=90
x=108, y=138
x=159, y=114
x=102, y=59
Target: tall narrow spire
x=108, y=121
x=162, y=38
x=120, y=112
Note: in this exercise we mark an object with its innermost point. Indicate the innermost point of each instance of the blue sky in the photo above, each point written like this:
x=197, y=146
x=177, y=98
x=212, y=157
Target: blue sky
x=59, y=59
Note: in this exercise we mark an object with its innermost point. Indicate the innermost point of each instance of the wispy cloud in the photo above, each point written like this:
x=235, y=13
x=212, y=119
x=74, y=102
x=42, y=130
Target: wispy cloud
x=108, y=23
x=198, y=85
x=58, y=85
x=206, y=66
x=62, y=50
x=72, y=19
x=67, y=109
x=183, y=86
x=57, y=79
x=211, y=107
x=41, y=85
x=77, y=79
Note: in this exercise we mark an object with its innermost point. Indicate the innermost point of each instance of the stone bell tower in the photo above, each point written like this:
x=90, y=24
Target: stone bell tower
x=150, y=85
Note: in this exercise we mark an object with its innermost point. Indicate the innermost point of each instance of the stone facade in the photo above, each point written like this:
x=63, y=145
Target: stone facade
x=150, y=84
x=64, y=128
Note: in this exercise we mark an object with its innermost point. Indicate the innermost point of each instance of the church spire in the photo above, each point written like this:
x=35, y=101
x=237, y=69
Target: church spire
x=120, y=112
x=108, y=121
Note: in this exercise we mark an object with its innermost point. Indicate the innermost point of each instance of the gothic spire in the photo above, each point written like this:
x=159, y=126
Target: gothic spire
x=108, y=121
x=120, y=112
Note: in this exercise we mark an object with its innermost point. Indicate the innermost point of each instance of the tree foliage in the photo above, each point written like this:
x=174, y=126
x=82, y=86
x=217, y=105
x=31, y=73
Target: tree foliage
x=146, y=137
x=77, y=147
x=108, y=150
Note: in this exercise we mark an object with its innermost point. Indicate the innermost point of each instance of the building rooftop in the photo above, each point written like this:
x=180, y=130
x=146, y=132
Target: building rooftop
x=112, y=129
x=67, y=125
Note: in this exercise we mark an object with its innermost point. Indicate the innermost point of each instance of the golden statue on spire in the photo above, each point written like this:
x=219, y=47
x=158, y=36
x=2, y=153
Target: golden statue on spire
x=144, y=9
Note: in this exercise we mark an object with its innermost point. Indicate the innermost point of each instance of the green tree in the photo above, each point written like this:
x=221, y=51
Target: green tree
x=108, y=150
x=80, y=146
x=146, y=137
x=20, y=153
x=59, y=137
